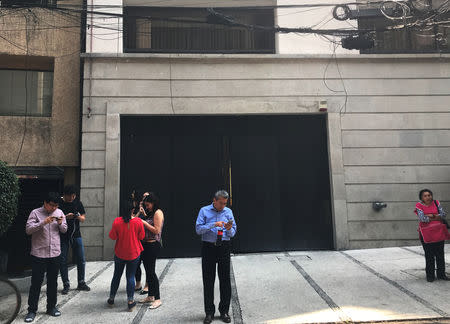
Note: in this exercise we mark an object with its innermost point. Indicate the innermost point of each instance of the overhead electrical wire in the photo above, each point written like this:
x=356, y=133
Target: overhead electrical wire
x=275, y=28
x=73, y=11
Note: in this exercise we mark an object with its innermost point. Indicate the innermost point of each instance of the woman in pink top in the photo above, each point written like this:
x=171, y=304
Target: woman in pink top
x=428, y=209
x=127, y=231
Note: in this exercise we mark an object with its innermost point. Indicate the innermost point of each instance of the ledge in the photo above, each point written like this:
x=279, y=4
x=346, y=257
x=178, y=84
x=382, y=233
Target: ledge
x=261, y=57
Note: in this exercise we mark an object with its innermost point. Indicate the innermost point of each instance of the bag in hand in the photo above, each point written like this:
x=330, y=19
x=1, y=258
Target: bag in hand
x=434, y=231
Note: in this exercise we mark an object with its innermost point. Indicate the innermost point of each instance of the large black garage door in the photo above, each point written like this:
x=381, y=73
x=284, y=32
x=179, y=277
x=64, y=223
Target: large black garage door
x=276, y=168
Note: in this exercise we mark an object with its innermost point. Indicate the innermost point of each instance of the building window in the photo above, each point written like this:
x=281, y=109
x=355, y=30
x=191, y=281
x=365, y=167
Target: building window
x=26, y=93
x=171, y=31
x=412, y=39
x=27, y=3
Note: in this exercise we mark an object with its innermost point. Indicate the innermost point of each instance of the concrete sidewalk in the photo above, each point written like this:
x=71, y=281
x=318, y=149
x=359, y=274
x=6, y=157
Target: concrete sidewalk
x=374, y=285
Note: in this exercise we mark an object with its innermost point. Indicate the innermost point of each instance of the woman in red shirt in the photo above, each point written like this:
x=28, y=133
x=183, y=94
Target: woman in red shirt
x=127, y=231
x=428, y=209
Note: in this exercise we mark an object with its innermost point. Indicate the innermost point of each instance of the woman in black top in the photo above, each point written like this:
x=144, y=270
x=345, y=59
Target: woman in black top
x=139, y=211
x=153, y=224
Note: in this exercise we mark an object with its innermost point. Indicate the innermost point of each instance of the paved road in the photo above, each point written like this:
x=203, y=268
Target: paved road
x=296, y=287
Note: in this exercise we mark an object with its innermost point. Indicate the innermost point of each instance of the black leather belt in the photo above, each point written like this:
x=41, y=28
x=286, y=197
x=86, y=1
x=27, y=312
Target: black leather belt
x=214, y=244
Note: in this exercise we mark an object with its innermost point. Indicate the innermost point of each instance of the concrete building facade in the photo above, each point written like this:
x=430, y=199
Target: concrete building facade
x=30, y=43
x=39, y=109
x=388, y=130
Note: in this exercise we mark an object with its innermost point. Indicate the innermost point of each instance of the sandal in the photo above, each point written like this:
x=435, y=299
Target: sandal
x=147, y=299
x=138, y=289
x=153, y=306
x=143, y=292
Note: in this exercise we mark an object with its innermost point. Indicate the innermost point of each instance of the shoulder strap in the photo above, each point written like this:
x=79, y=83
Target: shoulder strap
x=437, y=206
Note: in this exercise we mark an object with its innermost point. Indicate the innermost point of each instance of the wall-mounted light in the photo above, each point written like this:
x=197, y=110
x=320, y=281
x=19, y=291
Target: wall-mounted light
x=323, y=106
x=378, y=205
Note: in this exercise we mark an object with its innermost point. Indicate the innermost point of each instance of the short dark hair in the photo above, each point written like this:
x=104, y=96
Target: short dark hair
x=52, y=197
x=423, y=191
x=70, y=189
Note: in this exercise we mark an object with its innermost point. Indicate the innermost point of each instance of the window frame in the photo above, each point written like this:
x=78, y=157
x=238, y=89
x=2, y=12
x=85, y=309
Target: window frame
x=28, y=3
x=27, y=113
x=369, y=18
x=170, y=12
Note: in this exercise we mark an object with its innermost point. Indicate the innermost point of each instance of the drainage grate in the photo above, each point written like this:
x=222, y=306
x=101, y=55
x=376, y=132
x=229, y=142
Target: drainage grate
x=289, y=258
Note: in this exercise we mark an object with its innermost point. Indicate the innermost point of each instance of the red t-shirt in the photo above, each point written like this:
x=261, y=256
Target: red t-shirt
x=128, y=238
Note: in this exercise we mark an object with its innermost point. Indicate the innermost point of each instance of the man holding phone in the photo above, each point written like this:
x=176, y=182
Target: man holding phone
x=216, y=225
x=75, y=214
x=44, y=225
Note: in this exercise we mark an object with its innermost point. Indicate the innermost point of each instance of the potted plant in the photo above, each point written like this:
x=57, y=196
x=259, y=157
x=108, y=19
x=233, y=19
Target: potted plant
x=9, y=195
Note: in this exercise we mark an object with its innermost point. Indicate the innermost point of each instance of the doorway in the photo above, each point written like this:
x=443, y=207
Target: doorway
x=274, y=167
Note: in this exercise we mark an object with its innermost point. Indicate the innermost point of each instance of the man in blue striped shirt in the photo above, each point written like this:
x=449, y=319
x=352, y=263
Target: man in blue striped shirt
x=213, y=220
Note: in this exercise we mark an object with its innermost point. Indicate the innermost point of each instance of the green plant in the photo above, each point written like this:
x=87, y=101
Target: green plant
x=9, y=195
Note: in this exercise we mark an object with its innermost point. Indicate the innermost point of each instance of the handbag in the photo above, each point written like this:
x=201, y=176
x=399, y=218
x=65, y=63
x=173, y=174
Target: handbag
x=433, y=231
x=444, y=221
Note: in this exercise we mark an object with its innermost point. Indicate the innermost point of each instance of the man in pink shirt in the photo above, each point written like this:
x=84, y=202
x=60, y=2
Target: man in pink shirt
x=44, y=225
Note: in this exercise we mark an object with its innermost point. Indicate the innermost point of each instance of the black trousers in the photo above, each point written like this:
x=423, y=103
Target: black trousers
x=39, y=266
x=434, y=252
x=149, y=256
x=212, y=255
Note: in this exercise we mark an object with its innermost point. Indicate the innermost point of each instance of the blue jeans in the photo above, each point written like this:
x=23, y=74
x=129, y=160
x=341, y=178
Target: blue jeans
x=119, y=265
x=78, y=253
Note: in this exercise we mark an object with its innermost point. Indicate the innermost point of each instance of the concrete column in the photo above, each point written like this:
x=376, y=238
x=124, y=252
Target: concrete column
x=112, y=180
x=337, y=181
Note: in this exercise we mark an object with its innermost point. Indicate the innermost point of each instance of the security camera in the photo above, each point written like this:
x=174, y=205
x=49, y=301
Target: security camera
x=378, y=205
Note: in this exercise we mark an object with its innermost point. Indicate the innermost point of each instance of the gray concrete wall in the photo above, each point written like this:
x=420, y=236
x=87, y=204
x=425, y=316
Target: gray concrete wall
x=48, y=141
x=388, y=124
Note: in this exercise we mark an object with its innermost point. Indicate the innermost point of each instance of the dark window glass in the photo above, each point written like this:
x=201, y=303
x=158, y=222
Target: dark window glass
x=26, y=93
x=28, y=3
x=421, y=39
x=183, y=30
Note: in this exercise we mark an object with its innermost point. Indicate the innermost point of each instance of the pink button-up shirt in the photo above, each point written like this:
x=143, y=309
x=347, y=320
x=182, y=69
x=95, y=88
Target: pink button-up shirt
x=45, y=241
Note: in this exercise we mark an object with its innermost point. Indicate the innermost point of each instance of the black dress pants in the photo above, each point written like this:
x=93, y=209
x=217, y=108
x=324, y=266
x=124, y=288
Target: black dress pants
x=212, y=255
x=138, y=275
x=39, y=267
x=149, y=255
x=434, y=252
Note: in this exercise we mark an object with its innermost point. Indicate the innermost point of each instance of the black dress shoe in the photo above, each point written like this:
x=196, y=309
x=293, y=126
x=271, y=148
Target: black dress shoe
x=30, y=317
x=110, y=302
x=82, y=286
x=444, y=278
x=65, y=290
x=208, y=319
x=53, y=312
x=225, y=318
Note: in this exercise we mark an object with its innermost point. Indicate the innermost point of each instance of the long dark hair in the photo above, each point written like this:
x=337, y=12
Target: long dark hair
x=152, y=198
x=136, y=196
x=125, y=210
